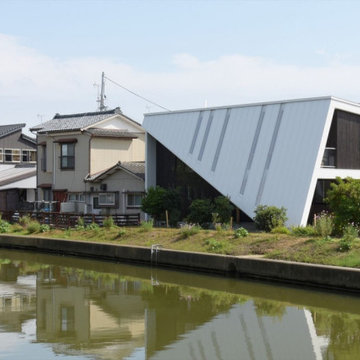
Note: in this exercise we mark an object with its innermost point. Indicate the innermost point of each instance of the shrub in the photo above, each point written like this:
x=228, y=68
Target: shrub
x=350, y=234
x=146, y=226
x=44, y=228
x=33, y=227
x=108, y=222
x=240, y=232
x=189, y=230
x=303, y=230
x=269, y=217
x=280, y=230
x=324, y=225
x=200, y=211
x=4, y=226
x=223, y=208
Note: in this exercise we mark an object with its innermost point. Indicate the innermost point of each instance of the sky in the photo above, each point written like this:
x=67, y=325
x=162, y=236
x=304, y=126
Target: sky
x=179, y=54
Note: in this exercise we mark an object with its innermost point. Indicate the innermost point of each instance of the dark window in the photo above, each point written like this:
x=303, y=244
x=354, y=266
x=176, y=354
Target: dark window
x=96, y=203
x=43, y=158
x=29, y=156
x=134, y=200
x=67, y=159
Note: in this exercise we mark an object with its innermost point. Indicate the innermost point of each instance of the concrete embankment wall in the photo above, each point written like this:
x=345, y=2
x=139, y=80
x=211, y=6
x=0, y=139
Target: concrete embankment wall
x=283, y=271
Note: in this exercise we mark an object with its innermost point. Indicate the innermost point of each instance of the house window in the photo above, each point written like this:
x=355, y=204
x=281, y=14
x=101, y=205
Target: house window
x=76, y=197
x=43, y=158
x=67, y=158
x=47, y=194
x=106, y=199
x=29, y=156
x=1, y=155
x=134, y=200
x=12, y=155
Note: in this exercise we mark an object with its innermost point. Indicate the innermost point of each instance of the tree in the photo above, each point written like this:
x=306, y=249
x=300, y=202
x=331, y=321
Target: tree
x=343, y=198
x=157, y=200
x=200, y=211
x=223, y=208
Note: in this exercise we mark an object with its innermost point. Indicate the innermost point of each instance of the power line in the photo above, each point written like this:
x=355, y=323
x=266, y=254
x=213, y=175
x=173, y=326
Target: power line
x=139, y=96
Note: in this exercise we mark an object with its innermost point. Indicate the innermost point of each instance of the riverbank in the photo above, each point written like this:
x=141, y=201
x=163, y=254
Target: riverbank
x=331, y=277
x=308, y=249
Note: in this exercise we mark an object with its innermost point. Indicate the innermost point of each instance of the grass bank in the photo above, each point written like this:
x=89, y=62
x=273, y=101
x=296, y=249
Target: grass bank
x=310, y=249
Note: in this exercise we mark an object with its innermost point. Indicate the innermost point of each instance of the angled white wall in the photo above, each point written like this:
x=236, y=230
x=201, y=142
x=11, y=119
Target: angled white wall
x=267, y=153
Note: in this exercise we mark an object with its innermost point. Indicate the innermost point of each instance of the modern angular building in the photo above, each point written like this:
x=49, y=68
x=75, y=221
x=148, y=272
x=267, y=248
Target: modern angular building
x=282, y=153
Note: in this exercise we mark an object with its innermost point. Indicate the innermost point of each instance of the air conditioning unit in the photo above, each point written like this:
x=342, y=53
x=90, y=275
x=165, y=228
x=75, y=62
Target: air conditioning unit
x=103, y=187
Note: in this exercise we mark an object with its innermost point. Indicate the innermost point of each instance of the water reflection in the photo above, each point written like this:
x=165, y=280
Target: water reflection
x=58, y=307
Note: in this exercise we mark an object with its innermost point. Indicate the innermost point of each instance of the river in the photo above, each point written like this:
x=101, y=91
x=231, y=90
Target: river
x=57, y=307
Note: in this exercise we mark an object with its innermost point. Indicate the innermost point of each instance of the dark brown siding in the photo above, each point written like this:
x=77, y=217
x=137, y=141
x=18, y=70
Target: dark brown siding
x=348, y=140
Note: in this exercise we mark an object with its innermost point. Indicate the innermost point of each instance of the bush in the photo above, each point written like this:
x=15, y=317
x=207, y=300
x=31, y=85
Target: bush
x=24, y=220
x=240, y=232
x=44, y=228
x=33, y=227
x=108, y=222
x=189, y=230
x=157, y=200
x=223, y=208
x=303, y=230
x=280, y=230
x=147, y=226
x=4, y=226
x=269, y=217
x=324, y=225
x=200, y=212
x=344, y=198
x=350, y=234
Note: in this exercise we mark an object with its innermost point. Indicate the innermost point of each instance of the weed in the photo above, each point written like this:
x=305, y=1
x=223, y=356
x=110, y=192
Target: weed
x=121, y=233
x=4, y=226
x=146, y=226
x=280, y=230
x=189, y=230
x=80, y=223
x=16, y=228
x=92, y=226
x=44, y=228
x=214, y=245
x=324, y=225
x=33, y=227
x=240, y=232
x=350, y=234
x=108, y=222
x=25, y=220
x=303, y=230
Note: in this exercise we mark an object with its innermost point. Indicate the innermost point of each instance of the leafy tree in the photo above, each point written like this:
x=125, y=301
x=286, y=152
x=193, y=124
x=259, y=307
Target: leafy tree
x=344, y=201
x=200, y=211
x=157, y=200
x=223, y=208
x=269, y=217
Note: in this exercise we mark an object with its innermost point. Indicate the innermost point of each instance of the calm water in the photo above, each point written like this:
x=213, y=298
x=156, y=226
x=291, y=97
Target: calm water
x=66, y=308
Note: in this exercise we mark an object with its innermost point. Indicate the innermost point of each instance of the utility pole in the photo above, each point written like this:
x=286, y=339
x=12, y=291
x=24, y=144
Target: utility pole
x=102, y=97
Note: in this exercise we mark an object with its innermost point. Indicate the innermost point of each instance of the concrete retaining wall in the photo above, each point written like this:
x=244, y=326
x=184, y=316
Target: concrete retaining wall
x=283, y=271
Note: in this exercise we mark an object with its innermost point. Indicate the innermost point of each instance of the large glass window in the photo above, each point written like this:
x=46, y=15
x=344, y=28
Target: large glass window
x=29, y=156
x=67, y=158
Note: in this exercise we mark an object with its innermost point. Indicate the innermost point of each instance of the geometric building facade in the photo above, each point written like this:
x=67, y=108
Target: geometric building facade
x=274, y=153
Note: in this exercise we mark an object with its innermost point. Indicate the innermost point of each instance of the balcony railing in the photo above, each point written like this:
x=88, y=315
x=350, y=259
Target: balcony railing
x=329, y=158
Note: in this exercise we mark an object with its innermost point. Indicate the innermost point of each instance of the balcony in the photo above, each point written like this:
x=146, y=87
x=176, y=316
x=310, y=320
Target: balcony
x=329, y=158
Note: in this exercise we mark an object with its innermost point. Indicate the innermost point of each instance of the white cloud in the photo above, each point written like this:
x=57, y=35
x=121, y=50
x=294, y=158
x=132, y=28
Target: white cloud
x=32, y=83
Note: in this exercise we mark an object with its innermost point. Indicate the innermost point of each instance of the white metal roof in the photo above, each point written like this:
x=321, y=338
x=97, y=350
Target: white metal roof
x=265, y=153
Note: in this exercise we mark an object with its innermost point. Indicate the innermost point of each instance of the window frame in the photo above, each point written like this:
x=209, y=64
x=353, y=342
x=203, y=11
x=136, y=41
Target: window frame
x=134, y=194
x=12, y=154
x=112, y=203
x=70, y=166
x=1, y=155
x=29, y=151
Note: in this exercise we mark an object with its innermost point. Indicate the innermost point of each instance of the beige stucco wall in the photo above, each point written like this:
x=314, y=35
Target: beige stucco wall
x=106, y=152
x=60, y=178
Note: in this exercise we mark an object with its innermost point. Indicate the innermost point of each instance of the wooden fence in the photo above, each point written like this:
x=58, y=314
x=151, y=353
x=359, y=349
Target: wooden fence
x=66, y=220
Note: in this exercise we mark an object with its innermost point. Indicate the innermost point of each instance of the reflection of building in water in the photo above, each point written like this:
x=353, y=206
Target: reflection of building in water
x=243, y=332
x=17, y=298
x=89, y=313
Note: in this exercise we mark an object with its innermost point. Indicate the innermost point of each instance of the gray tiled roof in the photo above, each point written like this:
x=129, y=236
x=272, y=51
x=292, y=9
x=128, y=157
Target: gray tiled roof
x=9, y=129
x=112, y=133
x=9, y=174
x=135, y=167
x=73, y=122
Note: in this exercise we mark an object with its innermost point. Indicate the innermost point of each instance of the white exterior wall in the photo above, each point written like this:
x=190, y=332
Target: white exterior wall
x=286, y=161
